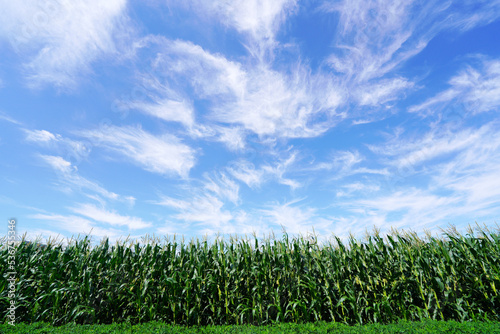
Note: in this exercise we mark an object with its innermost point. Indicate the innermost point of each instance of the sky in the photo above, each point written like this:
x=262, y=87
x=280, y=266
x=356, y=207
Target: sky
x=130, y=118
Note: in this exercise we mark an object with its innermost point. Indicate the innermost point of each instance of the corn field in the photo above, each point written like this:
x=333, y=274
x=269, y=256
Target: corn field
x=254, y=281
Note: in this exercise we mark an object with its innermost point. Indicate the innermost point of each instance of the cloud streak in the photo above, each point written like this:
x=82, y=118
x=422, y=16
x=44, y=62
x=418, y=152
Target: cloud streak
x=477, y=89
x=108, y=217
x=70, y=178
x=257, y=20
x=60, y=39
x=163, y=154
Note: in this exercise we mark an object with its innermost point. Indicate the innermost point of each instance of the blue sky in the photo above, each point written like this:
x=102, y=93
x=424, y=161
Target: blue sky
x=196, y=117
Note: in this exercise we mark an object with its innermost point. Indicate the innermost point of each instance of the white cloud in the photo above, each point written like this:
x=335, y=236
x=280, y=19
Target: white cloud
x=279, y=169
x=223, y=187
x=205, y=204
x=411, y=153
x=71, y=149
x=251, y=97
x=209, y=74
x=67, y=171
x=343, y=164
x=109, y=217
x=253, y=177
x=78, y=225
x=457, y=178
x=482, y=191
x=92, y=223
x=478, y=90
x=413, y=199
x=58, y=163
x=375, y=36
x=279, y=105
x=42, y=136
x=443, y=97
x=158, y=154
x=168, y=110
x=341, y=161
x=473, y=13
x=356, y=187
x=245, y=172
x=43, y=236
x=209, y=216
x=296, y=219
x=207, y=212
x=382, y=92
x=409, y=208
x=472, y=171
x=60, y=39
x=7, y=118
x=203, y=209
x=176, y=63
x=212, y=207
x=232, y=137
x=69, y=177
x=259, y=20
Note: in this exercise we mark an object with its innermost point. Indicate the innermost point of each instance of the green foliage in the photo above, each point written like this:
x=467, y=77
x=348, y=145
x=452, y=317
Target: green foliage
x=258, y=282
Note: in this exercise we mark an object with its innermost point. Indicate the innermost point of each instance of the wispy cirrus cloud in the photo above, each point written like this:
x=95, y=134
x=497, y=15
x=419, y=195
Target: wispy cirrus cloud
x=254, y=177
x=206, y=202
x=296, y=219
x=58, y=163
x=40, y=136
x=73, y=152
x=412, y=153
x=168, y=110
x=86, y=218
x=242, y=98
x=260, y=99
x=342, y=164
x=457, y=178
x=78, y=225
x=257, y=20
x=222, y=186
x=7, y=118
x=70, y=180
x=164, y=154
x=71, y=149
x=376, y=36
x=94, y=223
x=409, y=209
x=374, y=39
x=472, y=172
x=210, y=208
x=109, y=217
x=206, y=209
x=477, y=89
x=356, y=187
x=343, y=160
x=382, y=92
x=300, y=105
x=245, y=172
x=59, y=40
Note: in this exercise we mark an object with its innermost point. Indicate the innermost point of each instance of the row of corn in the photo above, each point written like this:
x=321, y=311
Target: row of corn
x=255, y=281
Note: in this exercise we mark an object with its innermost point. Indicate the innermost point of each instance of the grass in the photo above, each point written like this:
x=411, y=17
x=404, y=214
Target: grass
x=423, y=327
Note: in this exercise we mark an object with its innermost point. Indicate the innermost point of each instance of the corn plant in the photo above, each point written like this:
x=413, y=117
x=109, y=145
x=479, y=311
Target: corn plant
x=259, y=281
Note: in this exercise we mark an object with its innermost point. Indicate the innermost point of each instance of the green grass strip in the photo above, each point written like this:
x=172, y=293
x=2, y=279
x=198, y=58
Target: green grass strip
x=406, y=327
